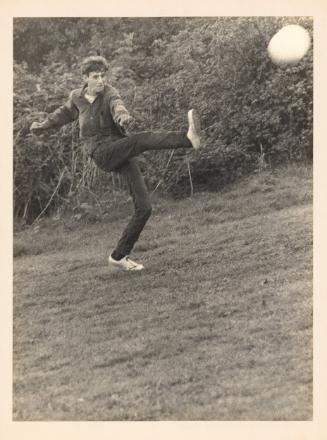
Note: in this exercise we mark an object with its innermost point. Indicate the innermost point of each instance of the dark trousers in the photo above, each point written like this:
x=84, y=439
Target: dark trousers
x=120, y=156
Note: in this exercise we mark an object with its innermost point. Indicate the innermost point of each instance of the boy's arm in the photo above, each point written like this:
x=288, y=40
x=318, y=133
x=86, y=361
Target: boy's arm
x=63, y=115
x=117, y=107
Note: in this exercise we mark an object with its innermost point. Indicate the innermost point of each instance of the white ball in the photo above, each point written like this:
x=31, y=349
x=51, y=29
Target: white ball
x=289, y=45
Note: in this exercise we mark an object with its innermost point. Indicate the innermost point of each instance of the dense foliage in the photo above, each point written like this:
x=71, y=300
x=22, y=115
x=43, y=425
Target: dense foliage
x=254, y=113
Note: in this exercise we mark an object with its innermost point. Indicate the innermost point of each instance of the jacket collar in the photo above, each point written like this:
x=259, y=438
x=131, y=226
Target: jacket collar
x=84, y=88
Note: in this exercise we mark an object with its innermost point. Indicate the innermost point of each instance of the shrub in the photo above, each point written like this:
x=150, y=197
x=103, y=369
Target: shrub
x=254, y=113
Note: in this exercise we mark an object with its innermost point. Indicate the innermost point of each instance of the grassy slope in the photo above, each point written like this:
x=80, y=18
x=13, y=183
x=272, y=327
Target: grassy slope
x=218, y=327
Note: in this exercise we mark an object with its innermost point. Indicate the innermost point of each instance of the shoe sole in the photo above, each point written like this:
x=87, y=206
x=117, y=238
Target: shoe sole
x=195, y=121
x=121, y=269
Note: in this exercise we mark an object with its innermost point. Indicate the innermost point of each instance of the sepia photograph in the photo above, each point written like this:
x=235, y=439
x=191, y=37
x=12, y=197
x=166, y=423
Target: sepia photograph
x=163, y=218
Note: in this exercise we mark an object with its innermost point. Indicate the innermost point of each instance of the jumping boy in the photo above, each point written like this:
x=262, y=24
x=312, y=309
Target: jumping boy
x=103, y=122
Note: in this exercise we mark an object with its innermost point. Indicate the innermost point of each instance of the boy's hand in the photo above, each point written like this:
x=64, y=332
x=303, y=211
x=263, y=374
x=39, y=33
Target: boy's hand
x=37, y=126
x=125, y=121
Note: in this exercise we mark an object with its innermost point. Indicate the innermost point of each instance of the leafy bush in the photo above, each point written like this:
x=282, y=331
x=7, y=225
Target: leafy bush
x=254, y=113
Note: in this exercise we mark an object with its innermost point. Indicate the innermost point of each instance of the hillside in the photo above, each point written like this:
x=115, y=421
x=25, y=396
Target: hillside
x=218, y=326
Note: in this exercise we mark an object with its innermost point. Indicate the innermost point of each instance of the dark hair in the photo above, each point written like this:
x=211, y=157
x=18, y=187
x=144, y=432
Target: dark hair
x=94, y=64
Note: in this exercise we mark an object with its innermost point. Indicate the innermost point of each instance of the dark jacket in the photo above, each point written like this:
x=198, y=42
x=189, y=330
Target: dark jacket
x=96, y=120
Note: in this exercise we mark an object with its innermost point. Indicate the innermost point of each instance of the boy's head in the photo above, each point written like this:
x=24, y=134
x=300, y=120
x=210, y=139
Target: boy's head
x=94, y=71
x=94, y=64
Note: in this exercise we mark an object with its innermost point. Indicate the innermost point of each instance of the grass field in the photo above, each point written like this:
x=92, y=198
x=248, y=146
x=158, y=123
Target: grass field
x=218, y=326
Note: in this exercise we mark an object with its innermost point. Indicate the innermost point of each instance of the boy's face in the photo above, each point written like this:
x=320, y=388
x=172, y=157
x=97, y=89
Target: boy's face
x=95, y=82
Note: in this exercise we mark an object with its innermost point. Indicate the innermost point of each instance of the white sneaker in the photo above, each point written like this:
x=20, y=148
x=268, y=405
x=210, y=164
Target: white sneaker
x=125, y=264
x=194, y=129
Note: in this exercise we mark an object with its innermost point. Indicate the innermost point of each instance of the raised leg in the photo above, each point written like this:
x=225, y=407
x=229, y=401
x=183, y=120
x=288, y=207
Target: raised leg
x=111, y=156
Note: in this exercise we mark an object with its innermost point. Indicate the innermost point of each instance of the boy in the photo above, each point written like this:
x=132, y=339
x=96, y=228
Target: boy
x=104, y=121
